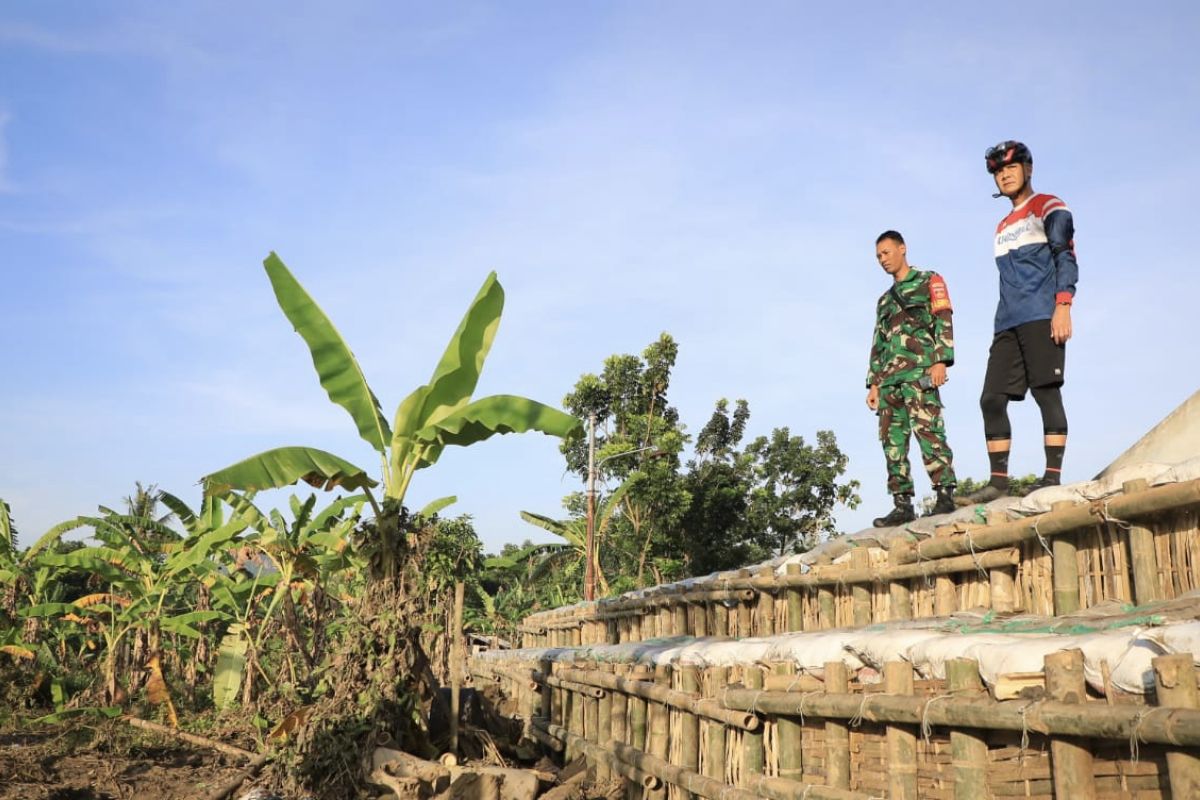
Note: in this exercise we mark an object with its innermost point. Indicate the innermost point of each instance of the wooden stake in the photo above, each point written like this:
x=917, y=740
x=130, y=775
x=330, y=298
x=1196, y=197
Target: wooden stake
x=826, y=609
x=945, y=596
x=456, y=664
x=637, y=724
x=701, y=616
x=679, y=623
x=900, y=598
x=1070, y=757
x=720, y=619
x=604, y=725
x=968, y=749
x=689, y=734
x=1142, y=554
x=753, y=757
x=791, y=764
x=1175, y=687
x=837, y=733
x=795, y=601
x=658, y=740
x=901, y=739
x=714, y=742
x=860, y=558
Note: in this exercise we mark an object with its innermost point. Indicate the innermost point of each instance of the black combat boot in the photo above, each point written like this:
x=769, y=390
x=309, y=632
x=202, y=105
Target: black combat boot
x=902, y=513
x=945, y=500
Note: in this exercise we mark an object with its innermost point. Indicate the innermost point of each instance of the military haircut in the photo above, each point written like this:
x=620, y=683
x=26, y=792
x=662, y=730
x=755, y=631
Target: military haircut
x=893, y=235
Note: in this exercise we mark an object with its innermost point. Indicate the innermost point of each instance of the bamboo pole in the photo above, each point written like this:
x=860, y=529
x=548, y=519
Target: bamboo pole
x=658, y=736
x=764, y=607
x=689, y=734
x=618, y=727
x=860, y=559
x=795, y=601
x=1065, y=558
x=901, y=739
x=745, y=624
x=791, y=764
x=1123, y=506
x=1070, y=757
x=591, y=722
x=576, y=718
x=666, y=622
x=679, y=623
x=826, y=608
x=700, y=609
x=714, y=742
x=1175, y=686
x=968, y=750
x=1175, y=726
x=671, y=773
x=636, y=776
x=720, y=619
x=645, y=689
x=837, y=733
x=637, y=723
x=945, y=597
x=900, y=598
x=753, y=757
x=1142, y=554
x=456, y=664
x=604, y=722
x=648, y=624
x=547, y=692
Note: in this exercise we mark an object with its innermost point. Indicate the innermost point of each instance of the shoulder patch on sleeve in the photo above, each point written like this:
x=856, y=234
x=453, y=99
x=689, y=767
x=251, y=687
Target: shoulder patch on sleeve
x=939, y=296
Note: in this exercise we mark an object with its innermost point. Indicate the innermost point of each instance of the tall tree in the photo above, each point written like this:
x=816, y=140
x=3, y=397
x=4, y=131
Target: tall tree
x=796, y=486
x=638, y=435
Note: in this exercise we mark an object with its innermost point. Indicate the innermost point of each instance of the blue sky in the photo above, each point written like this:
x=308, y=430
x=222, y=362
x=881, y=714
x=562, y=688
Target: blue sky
x=715, y=170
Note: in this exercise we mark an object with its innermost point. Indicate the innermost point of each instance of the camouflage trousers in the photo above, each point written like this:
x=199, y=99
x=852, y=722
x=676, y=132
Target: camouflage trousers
x=907, y=408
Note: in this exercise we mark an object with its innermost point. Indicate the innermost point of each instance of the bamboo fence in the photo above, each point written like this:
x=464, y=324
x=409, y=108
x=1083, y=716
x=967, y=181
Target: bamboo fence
x=1138, y=547
x=757, y=731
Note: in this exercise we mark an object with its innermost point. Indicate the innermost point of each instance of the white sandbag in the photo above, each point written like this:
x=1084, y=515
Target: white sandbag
x=876, y=648
x=929, y=656
x=1128, y=656
x=730, y=653
x=1025, y=653
x=1181, y=637
x=811, y=651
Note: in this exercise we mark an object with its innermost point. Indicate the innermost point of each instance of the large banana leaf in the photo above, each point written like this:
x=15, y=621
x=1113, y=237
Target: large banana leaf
x=567, y=530
x=456, y=375
x=50, y=538
x=500, y=413
x=199, y=548
x=336, y=366
x=283, y=466
x=182, y=623
x=231, y=663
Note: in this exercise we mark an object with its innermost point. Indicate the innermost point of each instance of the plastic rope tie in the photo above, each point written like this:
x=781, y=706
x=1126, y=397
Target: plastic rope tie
x=1041, y=539
x=1025, y=727
x=803, y=699
x=974, y=555
x=1137, y=726
x=926, y=728
x=924, y=570
x=1104, y=515
x=857, y=719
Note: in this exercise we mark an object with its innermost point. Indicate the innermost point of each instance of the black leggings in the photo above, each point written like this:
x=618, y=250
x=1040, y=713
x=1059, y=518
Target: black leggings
x=995, y=413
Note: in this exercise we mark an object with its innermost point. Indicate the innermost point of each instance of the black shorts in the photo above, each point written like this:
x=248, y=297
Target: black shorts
x=1025, y=357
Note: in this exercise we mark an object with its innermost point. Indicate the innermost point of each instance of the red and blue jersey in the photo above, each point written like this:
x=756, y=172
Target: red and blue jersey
x=1035, y=253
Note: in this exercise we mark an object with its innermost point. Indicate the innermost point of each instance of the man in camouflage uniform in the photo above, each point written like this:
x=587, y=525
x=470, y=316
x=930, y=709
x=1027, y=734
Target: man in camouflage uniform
x=912, y=347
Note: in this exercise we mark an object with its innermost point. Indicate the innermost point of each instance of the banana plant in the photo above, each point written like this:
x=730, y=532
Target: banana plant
x=433, y=416
x=311, y=547
x=145, y=583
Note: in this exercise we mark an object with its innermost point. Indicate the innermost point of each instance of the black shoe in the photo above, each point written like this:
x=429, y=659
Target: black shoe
x=1044, y=482
x=902, y=513
x=985, y=495
x=945, y=501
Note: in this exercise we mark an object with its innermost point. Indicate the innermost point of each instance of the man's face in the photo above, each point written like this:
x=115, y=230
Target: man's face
x=1010, y=179
x=891, y=255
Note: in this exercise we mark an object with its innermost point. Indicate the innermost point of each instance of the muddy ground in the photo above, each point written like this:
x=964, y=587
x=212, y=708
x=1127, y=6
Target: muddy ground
x=72, y=764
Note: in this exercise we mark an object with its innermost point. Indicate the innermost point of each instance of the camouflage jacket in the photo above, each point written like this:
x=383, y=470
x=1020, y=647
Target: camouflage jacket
x=913, y=330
